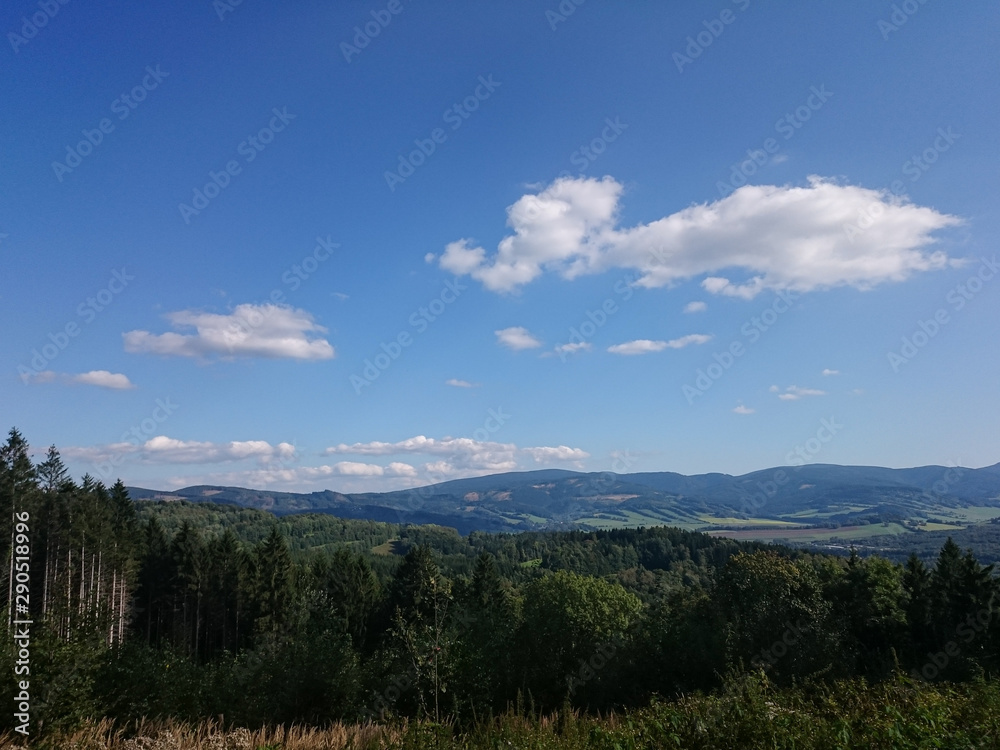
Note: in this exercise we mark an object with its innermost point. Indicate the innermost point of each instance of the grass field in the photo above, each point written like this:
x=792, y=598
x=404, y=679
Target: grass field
x=811, y=535
x=762, y=522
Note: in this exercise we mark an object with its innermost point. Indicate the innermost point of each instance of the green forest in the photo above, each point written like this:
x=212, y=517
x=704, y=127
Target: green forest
x=176, y=614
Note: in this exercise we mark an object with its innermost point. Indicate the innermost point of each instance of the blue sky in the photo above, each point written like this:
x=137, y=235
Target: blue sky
x=365, y=246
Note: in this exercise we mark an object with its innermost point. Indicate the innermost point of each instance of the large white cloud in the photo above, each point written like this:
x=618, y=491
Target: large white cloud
x=270, y=331
x=166, y=450
x=770, y=237
x=463, y=456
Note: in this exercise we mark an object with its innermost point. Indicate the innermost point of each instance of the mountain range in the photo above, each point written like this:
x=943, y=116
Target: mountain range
x=814, y=500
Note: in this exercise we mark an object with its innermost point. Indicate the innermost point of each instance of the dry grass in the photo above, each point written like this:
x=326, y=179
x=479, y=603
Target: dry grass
x=210, y=736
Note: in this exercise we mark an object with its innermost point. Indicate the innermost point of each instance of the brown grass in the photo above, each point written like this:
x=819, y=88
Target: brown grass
x=210, y=736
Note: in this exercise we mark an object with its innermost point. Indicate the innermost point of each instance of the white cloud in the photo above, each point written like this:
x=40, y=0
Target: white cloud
x=828, y=371
x=560, y=453
x=695, y=307
x=166, y=450
x=460, y=383
x=103, y=379
x=692, y=338
x=781, y=237
x=741, y=409
x=645, y=346
x=639, y=346
x=450, y=458
x=399, y=469
x=794, y=393
x=100, y=378
x=573, y=347
x=462, y=456
x=270, y=331
x=309, y=478
x=355, y=469
x=517, y=338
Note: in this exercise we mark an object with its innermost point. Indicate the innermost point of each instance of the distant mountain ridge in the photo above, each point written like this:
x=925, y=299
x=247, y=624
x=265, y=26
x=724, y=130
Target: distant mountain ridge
x=815, y=494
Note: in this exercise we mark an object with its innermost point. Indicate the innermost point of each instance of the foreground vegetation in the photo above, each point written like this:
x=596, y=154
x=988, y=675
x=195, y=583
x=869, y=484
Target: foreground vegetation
x=372, y=635
x=748, y=713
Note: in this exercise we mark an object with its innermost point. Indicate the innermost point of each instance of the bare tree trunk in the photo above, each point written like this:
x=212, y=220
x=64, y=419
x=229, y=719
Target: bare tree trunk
x=69, y=591
x=83, y=576
x=111, y=629
x=45, y=583
x=121, y=610
x=100, y=581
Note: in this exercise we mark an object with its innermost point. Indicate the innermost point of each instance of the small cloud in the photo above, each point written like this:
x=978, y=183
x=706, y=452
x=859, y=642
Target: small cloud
x=692, y=338
x=828, y=371
x=572, y=348
x=460, y=383
x=779, y=159
x=517, y=338
x=695, y=307
x=858, y=392
x=100, y=378
x=646, y=346
x=103, y=379
x=429, y=258
x=45, y=376
x=794, y=393
x=741, y=409
x=340, y=295
x=773, y=389
x=639, y=346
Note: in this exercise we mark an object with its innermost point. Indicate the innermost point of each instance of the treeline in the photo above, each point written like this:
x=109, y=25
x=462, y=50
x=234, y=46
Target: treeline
x=135, y=617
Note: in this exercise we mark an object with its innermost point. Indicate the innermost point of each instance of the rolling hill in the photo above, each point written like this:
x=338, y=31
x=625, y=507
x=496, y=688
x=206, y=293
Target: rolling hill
x=816, y=501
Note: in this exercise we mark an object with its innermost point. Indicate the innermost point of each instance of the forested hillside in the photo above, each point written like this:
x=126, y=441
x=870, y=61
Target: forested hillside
x=193, y=611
